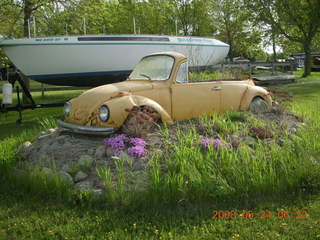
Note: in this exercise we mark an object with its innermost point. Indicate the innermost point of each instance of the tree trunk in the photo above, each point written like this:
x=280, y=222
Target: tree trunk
x=231, y=56
x=274, y=46
x=307, y=60
x=27, y=10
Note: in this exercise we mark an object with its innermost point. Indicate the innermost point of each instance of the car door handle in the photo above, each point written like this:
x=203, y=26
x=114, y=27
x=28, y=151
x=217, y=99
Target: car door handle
x=215, y=88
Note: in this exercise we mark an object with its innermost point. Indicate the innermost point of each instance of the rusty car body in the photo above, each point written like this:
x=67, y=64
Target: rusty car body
x=159, y=81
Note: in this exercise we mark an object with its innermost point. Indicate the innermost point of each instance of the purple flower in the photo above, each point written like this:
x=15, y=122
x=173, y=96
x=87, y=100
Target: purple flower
x=205, y=142
x=138, y=142
x=117, y=142
x=136, y=151
x=217, y=142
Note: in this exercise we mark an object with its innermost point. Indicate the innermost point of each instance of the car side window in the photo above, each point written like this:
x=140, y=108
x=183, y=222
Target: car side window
x=182, y=74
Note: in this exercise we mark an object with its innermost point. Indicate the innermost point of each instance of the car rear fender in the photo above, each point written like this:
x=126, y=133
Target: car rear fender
x=251, y=93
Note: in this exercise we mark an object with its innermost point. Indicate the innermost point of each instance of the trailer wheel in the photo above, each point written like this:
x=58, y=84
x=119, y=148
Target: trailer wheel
x=258, y=105
x=140, y=121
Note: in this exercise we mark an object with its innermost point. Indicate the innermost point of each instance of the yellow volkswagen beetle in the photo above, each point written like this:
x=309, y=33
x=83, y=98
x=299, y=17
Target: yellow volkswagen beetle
x=159, y=82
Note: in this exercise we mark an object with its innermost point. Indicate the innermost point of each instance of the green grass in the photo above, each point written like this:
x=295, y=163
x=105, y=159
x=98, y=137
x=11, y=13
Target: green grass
x=34, y=85
x=182, y=198
x=216, y=75
x=25, y=217
x=31, y=118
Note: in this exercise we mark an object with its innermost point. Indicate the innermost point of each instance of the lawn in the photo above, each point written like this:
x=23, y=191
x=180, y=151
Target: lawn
x=27, y=214
x=31, y=118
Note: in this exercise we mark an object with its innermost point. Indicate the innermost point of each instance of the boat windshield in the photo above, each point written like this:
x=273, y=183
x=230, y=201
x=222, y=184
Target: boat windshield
x=156, y=68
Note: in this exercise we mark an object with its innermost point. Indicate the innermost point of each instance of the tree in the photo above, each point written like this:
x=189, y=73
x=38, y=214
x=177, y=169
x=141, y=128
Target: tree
x=297, y=20
x=234, y=26
x=193, y=16
x=27, y=8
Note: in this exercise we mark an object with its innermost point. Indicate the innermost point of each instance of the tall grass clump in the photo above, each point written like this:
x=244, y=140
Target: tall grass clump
x=193, y=174
x=8, y=149
x=9, y=146
x=48, y=122
x=34, y=180
x=26, y=177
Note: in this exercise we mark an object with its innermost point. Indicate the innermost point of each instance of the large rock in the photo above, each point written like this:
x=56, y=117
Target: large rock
x=65, y=177
x=84, y=185
x=25, y=149
x=80, y=176
x=109, y=152
x=97, y=192
x=100, y=152
x=52, y=130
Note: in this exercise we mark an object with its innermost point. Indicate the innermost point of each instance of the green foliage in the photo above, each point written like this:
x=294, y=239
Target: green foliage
x=234, y=26
x=33, y=119
x=25, y=216
x=295, y=20
x=238, y=116
x=43, y=184
x=49, y=122
x=216, y=75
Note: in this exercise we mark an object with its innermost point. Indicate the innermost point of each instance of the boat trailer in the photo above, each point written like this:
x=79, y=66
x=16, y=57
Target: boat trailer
x=14, y=76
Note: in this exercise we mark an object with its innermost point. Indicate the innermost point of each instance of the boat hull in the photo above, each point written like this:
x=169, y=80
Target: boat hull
x=69, y=61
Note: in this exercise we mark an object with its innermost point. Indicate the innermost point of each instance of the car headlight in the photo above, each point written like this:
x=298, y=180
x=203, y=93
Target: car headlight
x=104, y=113
x=67, y=108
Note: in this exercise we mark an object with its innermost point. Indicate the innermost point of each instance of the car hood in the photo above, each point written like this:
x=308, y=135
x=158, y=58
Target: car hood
x=83, y=107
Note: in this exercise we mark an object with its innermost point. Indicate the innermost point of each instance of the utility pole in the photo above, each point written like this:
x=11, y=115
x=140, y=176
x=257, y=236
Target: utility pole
x=29, y=33
x=84, y=26
x=134, y=25
x=34, y=27
x=176, y=27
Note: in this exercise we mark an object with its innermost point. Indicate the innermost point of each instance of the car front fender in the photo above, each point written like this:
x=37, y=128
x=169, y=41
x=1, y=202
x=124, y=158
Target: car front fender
x=118, y=107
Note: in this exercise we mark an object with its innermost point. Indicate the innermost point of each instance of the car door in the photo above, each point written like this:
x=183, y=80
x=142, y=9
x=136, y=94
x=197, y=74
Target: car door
x=191, y=100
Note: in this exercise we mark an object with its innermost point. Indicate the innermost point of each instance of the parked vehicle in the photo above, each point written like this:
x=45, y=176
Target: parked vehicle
x=159, y=82
x=315, y=63
x=93, y=60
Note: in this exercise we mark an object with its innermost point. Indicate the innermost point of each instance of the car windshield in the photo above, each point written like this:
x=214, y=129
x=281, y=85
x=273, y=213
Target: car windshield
x=153, y=68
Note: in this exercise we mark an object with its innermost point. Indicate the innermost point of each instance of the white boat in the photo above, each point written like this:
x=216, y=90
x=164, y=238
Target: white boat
x=92, y=60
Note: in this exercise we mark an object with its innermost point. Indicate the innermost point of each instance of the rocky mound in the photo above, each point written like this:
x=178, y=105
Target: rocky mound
x=80, y=159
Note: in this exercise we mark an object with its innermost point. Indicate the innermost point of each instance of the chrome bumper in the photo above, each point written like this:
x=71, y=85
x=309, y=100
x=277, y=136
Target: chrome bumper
x=86, y=130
